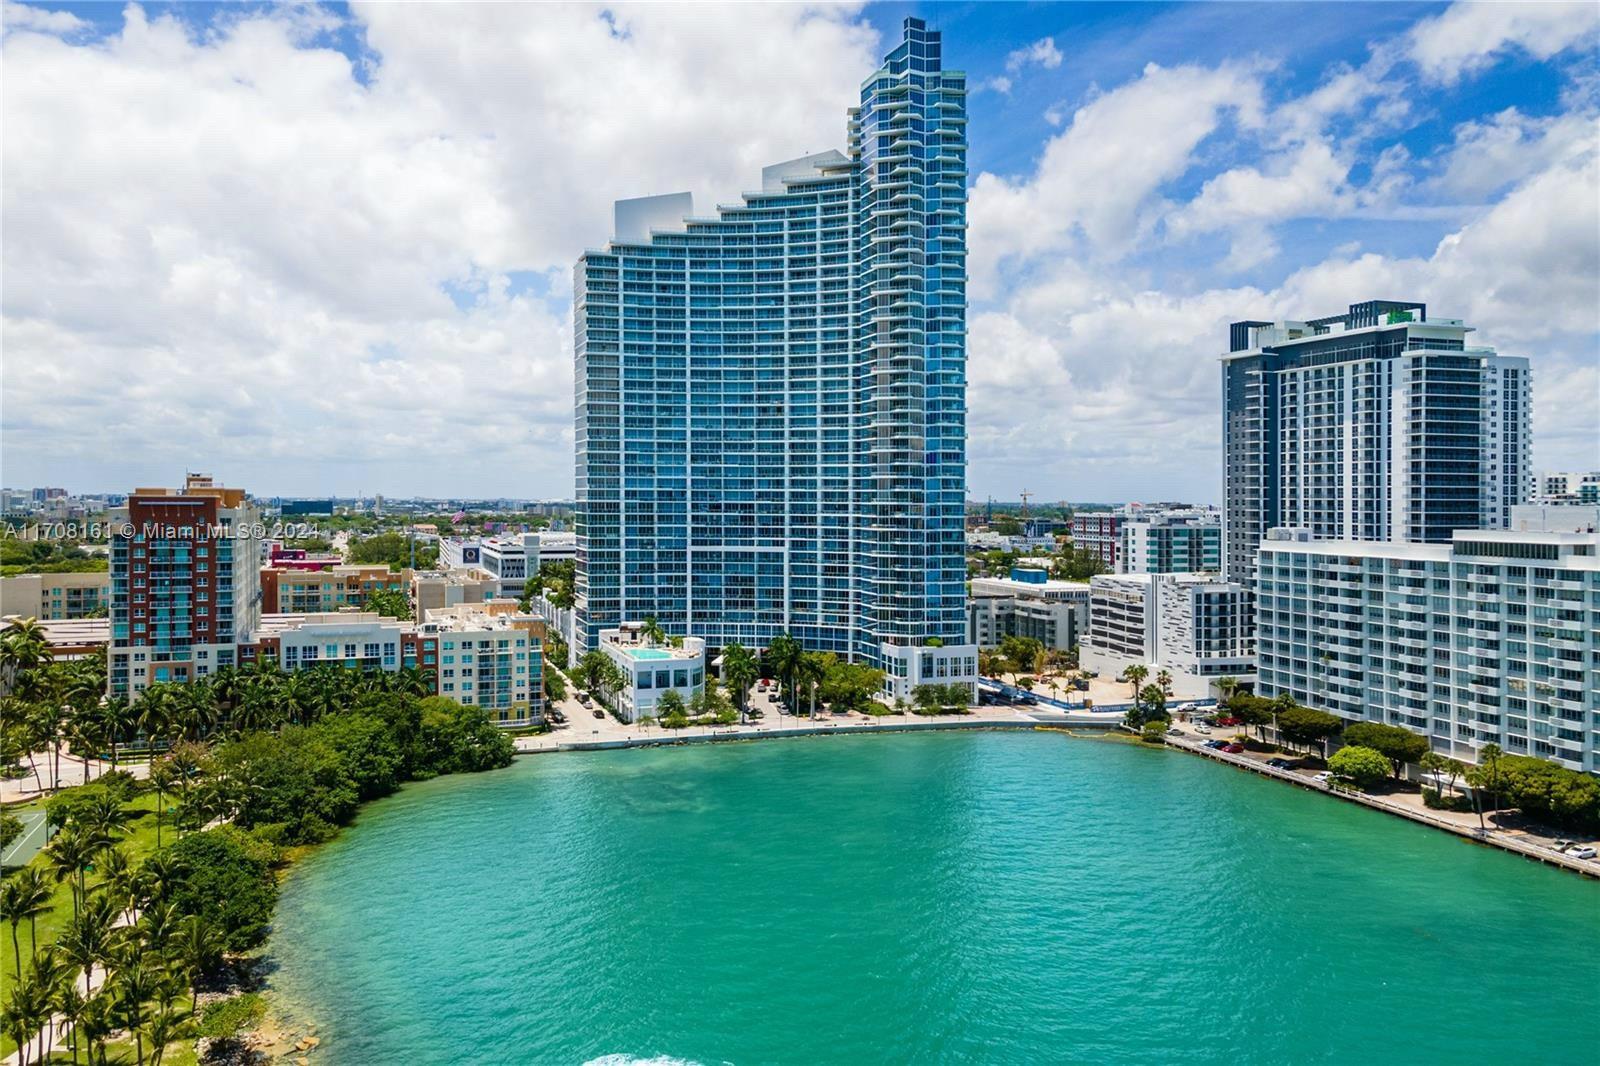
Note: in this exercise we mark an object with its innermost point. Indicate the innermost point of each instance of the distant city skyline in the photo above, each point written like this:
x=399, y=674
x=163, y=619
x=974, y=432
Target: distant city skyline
x=1149, y=173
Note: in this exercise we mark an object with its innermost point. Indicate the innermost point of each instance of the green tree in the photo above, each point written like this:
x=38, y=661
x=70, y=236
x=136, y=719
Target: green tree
x=1364, y=766
x=1304, y=726
x=739, y=671
x=224, y=876
x=670, y=705
x=555, y=686
x=1134, y=676
x=1398, y=745
x=390, y=603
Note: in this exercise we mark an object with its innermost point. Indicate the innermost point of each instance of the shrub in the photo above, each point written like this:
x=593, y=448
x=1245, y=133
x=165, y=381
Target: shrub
x=231, y=1016
x=225, y=875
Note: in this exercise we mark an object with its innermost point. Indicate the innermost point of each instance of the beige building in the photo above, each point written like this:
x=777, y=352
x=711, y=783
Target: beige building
x=52, y=597
x=288, y=590
x=433, y=590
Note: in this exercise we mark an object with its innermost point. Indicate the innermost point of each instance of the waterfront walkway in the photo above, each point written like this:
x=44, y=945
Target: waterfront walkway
x=584, y=732
x=1462, y=825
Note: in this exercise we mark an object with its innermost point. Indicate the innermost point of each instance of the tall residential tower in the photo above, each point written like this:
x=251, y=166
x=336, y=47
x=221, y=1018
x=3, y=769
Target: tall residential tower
x=771, y=427
x=1379, y=424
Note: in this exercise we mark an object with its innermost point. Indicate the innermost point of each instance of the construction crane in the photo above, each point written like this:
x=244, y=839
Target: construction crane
x=1026, y=496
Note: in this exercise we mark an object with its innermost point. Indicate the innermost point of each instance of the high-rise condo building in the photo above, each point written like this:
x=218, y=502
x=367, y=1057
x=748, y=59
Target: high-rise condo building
x=770, y=421
x=1378, y=424
x=185, y=583
x=1491, y=638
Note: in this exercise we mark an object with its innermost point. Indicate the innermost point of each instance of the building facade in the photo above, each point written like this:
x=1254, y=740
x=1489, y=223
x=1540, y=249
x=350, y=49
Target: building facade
x=1582, y=488
x=291, y=590
x=490, y=658
x=1027, y=604
x=185, y=583
x=1197, y=627
x=56, y=597
x=1378, y=424
x=653, y=669
x=1171, y=542
x=1492, y=638
x=433, y=590
x=770, y=417
x=1101, y=533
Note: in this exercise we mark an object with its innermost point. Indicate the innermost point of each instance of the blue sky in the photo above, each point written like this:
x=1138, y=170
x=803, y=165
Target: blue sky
x=327, y=249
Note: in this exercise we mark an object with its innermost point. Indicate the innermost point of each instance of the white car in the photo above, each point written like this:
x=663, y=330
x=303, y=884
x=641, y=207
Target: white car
x=1202, y=729
x=1580, y=851
x=1322, y=778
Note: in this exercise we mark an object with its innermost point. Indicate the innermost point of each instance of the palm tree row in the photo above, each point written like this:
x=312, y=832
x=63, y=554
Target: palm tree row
x=51, y=705
x=126, y=957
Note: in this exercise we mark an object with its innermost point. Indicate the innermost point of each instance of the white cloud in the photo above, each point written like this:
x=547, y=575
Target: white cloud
x=15, y=16
x=1042, y=52
x=1467, y=37
x=1099, y=178
x=1501, y=150
x=225, y=248
x=1307, y=181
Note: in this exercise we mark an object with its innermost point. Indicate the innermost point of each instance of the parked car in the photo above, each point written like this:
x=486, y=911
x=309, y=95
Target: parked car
x=1233, y=749
x=1026, y=700
x=1280, y=764
x=1174, y=732
x=1322, y=778
x=1578, y=851
x=598, y=713
x=1216, y=745
x=1229, y=720
x=1201, y=729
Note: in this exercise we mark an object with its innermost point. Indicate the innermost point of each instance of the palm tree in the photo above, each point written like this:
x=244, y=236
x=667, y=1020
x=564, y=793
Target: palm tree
x=69, y=1003
x=22, y=648
x=652, y=632
x=1135, y=675
x=1164, y=679
x=88, y=937
x=134, y=985
x=414, y=681
x=161, y=1030
x=784, y=655
x=117, y=717
x=97, y=1023
x=15, y=907
x=33, y=899
x=812, y=671
x=1280, y=703
x=197, y=948
x=70, y=854
x=1227, y=685
x=153, y=711
x=739, y=670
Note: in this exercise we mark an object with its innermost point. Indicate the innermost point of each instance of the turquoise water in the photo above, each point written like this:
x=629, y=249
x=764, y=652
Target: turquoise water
x=649, y=653
x=987, y=897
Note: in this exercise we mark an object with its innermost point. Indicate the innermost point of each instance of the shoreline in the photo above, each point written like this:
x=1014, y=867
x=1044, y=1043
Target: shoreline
x=1472, y=834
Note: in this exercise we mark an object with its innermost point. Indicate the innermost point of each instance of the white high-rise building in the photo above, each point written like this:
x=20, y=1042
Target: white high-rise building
x=1494, y=637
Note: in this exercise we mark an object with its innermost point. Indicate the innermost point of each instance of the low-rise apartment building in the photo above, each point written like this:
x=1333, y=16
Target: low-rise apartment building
x=1099, y=532
x=433, y=590
x=1197, y=627
x=1492, y=638
x=56, y=597
x=653, y=669
x=298, y=591
x=1027, y=604
x=485, y=655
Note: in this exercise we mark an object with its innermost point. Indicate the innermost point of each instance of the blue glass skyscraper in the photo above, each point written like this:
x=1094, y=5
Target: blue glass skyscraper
x=771, y=402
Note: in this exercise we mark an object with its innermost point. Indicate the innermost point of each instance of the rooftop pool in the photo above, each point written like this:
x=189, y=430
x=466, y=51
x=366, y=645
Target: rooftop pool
x=648, y=653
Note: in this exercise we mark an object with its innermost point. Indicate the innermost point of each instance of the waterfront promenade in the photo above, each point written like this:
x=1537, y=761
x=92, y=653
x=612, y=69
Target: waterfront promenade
x=584, y=732
x=1528, y=844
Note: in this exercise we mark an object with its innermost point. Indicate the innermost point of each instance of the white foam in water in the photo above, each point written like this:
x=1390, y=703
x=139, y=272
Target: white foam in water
x=634, y=1060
